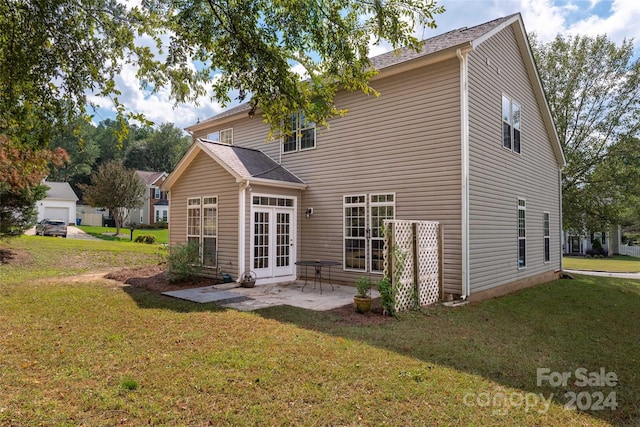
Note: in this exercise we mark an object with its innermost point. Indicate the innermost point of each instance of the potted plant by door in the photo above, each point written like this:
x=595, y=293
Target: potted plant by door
x=362, y=300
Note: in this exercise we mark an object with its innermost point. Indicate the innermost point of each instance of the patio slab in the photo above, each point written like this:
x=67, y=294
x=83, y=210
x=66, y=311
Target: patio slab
x=206, y=294
x=262, y=296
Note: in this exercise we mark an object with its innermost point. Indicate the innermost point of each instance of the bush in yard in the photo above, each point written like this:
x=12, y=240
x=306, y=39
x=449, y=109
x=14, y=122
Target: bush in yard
x=145, y=238
x=597, y=251
x=387, y=299
x=183, y=262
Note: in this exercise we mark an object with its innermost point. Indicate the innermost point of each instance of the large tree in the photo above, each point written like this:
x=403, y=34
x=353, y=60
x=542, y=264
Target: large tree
x=116, y=188
x=53, y=53
x=593, y=89
x=160, y=151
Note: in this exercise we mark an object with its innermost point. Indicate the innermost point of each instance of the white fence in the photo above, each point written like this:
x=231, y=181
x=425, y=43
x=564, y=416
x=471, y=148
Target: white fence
x=630, y=250
x=91, y=219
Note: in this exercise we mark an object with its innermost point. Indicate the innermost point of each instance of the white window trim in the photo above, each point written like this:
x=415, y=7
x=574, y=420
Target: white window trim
x=298, y=133
x=511, y=125
x=229, y=139
x=371, y=238
x=201, y=236
x=344, y=231
x=522, y=208
x=546, y=223
x=367, y=204
x=218, y=136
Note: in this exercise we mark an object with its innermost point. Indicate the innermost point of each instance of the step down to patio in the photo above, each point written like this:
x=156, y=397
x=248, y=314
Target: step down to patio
x=207, y=294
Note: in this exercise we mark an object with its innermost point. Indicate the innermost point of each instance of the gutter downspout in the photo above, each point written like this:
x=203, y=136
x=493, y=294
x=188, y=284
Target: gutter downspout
x=560, y=227
x=464, y=131
x=242, y=219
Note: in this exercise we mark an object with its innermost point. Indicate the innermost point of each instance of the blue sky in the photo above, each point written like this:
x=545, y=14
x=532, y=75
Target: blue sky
x=619, y=19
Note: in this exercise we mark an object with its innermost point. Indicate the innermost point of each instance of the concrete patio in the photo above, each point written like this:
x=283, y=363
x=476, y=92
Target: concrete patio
x=262, y=296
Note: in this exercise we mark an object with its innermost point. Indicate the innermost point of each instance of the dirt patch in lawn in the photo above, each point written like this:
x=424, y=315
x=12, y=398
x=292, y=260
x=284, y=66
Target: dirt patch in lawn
x=153, y=278
x=14, y=256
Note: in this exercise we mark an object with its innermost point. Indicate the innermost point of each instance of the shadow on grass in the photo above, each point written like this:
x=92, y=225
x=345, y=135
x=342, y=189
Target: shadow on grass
x=589, y=323
x=146, y=299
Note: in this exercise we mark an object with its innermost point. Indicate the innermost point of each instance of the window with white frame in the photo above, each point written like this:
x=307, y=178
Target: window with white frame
x=202, y=227
x=522, y=233
x=162, y=214
x=209, y=230
x=303, y=134
x=511, y=124
x=364, y=217
x=156, y=193
x=224, y=135
x=547, y=237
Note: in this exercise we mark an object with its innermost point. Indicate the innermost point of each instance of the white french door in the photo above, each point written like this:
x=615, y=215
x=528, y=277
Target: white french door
x=272, y=241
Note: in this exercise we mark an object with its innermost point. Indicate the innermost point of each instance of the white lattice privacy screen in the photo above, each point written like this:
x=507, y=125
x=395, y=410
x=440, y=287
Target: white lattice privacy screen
x=412, y=259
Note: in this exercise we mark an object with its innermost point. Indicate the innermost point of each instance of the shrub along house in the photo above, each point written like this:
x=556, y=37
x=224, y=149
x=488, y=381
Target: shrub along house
x=461, y=134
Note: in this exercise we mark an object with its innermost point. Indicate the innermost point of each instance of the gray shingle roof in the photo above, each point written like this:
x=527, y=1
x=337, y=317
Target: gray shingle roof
x=429, y=46
x=60, y=191
x=250, y=163
x=436, y=44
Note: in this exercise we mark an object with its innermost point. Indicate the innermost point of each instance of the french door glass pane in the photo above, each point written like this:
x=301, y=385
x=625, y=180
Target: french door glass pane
x=261, y=240
x=283, y=235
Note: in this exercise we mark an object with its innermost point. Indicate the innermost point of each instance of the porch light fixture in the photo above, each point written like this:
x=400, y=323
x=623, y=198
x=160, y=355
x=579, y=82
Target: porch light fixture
x=308, y=212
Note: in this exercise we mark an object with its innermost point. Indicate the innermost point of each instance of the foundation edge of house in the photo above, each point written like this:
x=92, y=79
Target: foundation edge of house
x=512, y=287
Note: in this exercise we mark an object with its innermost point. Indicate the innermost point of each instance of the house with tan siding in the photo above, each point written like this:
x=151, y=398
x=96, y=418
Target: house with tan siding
x=460, y=134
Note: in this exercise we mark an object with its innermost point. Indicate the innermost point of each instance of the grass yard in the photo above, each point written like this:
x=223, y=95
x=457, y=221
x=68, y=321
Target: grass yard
x=108, y=233
x=98, y=353
x=618, y=263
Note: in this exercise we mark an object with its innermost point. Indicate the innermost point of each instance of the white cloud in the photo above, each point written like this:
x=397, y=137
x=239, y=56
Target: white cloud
x=157, y=107
x=621, y=24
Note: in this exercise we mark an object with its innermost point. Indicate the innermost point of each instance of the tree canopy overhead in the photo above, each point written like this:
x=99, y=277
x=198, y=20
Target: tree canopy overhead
x=593, y=89
x=55, y=54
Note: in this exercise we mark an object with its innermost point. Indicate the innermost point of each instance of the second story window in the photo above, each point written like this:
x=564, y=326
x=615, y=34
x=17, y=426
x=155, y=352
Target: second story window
x=510, y=124
x=225, y=136
x=303, y=136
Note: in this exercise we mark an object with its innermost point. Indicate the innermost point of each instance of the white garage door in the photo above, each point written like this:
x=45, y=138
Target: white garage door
x=57, y=213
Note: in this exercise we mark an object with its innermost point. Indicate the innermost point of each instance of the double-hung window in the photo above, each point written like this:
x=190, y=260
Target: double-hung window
x=303, y=134
x=364, y=217
x=202, y=227
x=547, y=237
x=522, y=233
x=224, y=135
x=511, y=124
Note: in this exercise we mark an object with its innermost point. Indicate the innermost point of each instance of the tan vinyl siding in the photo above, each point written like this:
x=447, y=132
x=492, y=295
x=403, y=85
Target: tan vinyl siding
x=407, y=142
x=205, y=177
x=498, y=177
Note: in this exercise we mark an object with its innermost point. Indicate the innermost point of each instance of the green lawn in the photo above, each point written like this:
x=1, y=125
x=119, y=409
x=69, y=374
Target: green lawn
x=100, y=354
x=619, y=263
x=108, y=233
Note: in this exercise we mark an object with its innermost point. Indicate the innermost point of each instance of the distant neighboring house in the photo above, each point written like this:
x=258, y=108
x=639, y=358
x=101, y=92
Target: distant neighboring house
x=156, y=205
x=462, y=134
x=577, y=245
x=60, y=203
